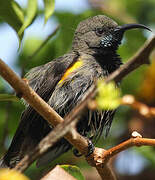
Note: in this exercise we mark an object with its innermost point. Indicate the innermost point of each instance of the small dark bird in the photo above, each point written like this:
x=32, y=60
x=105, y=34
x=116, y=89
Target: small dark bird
x=63, y=82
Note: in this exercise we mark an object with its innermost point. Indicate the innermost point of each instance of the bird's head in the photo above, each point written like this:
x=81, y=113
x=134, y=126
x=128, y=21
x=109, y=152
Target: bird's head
x=100, y=35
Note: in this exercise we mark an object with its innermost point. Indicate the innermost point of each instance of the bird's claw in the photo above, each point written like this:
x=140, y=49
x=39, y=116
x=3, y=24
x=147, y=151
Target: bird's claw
x=90, y=148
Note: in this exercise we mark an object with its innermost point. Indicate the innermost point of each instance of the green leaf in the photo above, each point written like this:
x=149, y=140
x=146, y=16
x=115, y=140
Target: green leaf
x=108, y=96
x=74, y=171
x=30, y=14
x=8, y=97
x=12, y=13
x=49, y=8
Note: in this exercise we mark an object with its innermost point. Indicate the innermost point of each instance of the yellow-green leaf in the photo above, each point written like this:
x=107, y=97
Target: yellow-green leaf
x=49, y=8
x=108, y=96
x=74, y=171
x=12, y=13
x=30, y=15
x=8, y=97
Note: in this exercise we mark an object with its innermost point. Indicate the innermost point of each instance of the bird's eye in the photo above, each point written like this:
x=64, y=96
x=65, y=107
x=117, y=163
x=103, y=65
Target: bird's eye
x=99, y=31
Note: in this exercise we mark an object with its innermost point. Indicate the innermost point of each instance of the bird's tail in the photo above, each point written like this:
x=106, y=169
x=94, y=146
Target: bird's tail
x=29, y=133
x=16, y=152
x=10, y=159
x=27, y=136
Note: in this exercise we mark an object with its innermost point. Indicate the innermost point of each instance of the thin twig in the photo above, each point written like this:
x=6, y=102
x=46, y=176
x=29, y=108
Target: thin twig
x=143, y=109
x=138, y=141
x=101, y=156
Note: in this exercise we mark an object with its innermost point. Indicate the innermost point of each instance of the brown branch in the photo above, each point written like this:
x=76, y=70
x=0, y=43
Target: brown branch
x=50, y=115
x=108, y=154
x=21, y=87
x=57, y=133
x=64, y=128
x=101, y=157
x=106, y=172
x=47, y=112
x=142, y=108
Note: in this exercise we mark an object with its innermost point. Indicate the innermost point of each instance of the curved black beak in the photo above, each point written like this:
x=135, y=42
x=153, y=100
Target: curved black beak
x=125, y=27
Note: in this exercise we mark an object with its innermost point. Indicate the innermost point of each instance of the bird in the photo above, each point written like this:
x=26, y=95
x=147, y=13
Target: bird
x=63, y=82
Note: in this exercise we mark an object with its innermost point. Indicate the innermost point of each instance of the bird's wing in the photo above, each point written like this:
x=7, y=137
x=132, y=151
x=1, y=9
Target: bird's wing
x=36, y=76
x=33, y=127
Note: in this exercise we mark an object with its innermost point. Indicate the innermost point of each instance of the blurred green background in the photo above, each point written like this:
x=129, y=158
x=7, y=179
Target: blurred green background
x=135, y=163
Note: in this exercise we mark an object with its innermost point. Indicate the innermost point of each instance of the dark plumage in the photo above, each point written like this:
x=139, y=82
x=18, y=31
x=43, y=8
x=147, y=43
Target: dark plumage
x=93, y=55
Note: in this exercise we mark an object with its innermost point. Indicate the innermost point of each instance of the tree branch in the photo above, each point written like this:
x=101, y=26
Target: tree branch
x=143, y=109
x=104, y=156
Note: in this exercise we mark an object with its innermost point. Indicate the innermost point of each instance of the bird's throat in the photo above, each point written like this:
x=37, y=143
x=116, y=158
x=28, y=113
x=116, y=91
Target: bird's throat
x=110, y=61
